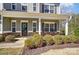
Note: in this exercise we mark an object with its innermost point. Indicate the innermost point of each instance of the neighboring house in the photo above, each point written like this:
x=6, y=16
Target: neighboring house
x=27, y=18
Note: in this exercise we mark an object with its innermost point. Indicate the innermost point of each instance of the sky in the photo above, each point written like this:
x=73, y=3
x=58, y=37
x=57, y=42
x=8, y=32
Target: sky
x=70, y=8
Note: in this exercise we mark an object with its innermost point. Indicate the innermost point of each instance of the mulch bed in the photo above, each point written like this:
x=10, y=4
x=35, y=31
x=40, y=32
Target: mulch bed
x=38, y=51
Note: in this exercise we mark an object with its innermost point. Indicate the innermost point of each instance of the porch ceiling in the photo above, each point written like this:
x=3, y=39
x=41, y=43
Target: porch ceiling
x=33, y=15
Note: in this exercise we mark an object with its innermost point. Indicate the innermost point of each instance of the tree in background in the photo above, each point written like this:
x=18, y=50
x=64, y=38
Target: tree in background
x=74, y=25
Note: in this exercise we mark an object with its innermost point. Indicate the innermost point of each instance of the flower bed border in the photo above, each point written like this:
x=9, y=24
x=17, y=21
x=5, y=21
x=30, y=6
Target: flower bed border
x=38, y=51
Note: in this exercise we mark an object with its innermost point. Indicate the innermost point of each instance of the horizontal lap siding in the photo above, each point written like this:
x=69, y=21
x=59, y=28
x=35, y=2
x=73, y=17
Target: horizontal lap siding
x=6, y=25
x=18, y=25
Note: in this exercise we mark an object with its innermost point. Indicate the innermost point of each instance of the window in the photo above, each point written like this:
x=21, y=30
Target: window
x=13, y=6
x=34, y=6
x=13, y=26
x=51, y=9
x=46, y=27
x=34, y=27
x=46, y=8
x=50, y=27
x=24, y=8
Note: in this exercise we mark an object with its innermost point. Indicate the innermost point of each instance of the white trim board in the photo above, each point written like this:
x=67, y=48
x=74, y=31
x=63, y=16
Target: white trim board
x=50, y=22
x=7, y=31
x=24, y=20
x=34, y=21
x=13, y=20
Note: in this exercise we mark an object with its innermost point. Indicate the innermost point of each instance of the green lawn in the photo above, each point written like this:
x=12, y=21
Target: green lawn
x=10, y=51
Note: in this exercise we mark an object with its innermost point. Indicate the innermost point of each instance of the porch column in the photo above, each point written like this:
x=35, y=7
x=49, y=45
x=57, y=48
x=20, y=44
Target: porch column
x=66, y=27
x=1, y=25
x=39, y=26
x=1, y=19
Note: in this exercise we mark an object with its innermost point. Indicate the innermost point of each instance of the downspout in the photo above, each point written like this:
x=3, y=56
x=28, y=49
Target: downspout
x=70, y=18
x=66, y=25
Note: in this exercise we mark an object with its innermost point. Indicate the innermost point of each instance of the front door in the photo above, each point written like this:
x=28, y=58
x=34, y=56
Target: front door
x=24, y=27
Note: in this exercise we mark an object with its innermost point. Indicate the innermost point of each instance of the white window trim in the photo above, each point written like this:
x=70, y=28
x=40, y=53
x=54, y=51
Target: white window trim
x=15, y=6
x=32, y=25
x=49, y=8
x=24, y=20
x=15, y=25
x=48, y=24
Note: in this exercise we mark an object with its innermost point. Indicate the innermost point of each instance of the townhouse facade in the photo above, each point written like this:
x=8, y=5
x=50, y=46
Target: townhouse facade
x=28, y=18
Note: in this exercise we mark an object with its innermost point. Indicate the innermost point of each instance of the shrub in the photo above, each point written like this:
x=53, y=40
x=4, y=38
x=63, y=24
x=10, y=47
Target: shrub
x=76, y=32
x=37, y=40
x=16, y=35
x=48, y=39
x=2, y=38
x=29, y=43
x=66, y=39
x=9, y=38
x=62, y=31
x=57, y=39
x=70, y=39
x=73, y=38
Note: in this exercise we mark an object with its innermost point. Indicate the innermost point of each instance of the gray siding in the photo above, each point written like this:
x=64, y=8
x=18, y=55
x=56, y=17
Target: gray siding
x=7, y=6
x=39, y=7
x=18, y=25
x=6, y=24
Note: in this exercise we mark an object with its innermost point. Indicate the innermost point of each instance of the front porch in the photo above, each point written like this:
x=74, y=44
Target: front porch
x=28, y=23
x=28, y=27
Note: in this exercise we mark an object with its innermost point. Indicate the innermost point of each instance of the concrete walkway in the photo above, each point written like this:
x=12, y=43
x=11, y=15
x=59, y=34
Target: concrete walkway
x=17, y=44
x=23, y=38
